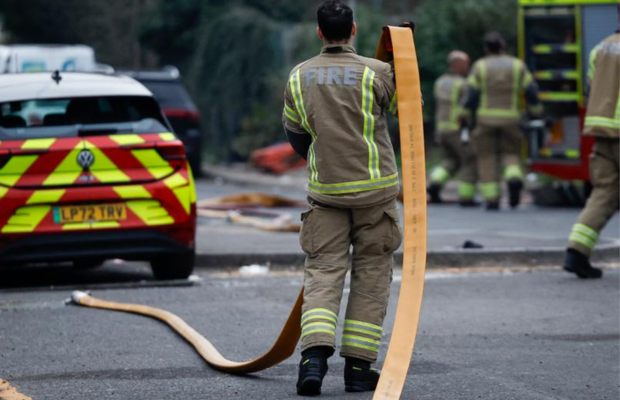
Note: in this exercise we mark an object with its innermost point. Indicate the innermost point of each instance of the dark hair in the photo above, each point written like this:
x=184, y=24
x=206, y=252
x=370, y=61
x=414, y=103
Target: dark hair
x=494, y=42
x=335, y=20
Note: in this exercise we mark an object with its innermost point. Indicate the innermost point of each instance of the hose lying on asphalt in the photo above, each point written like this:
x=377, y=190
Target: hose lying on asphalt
x=398, y=41
x=282, y=349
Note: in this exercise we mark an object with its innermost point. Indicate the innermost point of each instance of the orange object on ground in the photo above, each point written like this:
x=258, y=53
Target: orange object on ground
x=278, y=158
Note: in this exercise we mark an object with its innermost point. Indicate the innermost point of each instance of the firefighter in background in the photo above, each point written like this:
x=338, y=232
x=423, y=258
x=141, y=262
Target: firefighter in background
x=495, y=86
x=450, y=91
x=335, y=116
x=602, y=122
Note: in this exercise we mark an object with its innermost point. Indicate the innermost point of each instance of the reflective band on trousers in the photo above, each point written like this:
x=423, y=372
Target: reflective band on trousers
x=490, y=190
x=352, y=187
x=361, y=342
x=466, y=190
x=351, y=325
x=318, y=320
x=318, y=327
x=448, y=126
x=368, y=101
x=319, y=313
x=584, y=235
x=440, y=175
x=299, y=104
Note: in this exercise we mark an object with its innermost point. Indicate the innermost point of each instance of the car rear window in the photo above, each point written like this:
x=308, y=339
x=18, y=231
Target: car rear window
x=170, y=94
x=83, y=116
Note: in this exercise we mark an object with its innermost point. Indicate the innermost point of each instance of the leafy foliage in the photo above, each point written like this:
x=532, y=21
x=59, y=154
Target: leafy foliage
x=235, y=55
x=445, y=25
x=110, y=28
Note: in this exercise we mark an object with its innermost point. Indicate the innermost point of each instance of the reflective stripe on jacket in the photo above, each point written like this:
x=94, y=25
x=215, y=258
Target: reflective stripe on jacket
x=449, y=92
x=603, y=117
x=499, y=80
x=341, y=100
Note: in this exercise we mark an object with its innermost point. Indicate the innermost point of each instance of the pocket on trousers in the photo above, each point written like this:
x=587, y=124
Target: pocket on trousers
x=306, y=234
x=395, y=236
x=603, y=172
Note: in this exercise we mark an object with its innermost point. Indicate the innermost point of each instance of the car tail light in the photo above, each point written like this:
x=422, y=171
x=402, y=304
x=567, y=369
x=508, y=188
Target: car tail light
x=172, y=152
x=181, y=113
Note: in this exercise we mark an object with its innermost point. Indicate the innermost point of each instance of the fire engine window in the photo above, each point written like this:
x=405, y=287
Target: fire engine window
x=558, y=86
x=554, y=61
x=553, y=30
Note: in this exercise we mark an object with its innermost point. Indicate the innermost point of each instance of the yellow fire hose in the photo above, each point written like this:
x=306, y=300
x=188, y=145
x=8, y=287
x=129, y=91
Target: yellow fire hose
x=399, y=41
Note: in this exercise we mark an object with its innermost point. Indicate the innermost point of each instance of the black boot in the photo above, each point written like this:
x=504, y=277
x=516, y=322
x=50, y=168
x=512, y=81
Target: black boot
x=578, y=264
x=468, y=203
x=514, y=192
x=492, y=205
x=434, y=191
x=358, y=376
x=312, y=370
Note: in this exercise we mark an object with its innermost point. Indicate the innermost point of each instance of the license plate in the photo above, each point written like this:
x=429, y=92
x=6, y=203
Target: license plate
x=90, y=213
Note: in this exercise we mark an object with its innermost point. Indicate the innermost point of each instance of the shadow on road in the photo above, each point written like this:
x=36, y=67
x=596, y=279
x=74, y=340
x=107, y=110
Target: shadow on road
x=50, y=277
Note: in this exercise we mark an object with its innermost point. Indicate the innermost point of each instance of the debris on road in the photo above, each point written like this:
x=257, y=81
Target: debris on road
x=263, y=220
x=470, y=244
x=244, y=209
x=254, y=270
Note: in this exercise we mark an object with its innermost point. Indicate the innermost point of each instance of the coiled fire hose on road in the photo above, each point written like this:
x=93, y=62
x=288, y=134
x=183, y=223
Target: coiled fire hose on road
x=397, y=42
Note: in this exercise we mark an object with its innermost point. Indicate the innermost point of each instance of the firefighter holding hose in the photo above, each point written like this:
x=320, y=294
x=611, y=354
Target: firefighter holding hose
x=335, y=116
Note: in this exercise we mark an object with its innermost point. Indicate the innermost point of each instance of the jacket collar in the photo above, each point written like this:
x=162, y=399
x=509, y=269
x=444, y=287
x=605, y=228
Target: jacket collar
x=338, y=48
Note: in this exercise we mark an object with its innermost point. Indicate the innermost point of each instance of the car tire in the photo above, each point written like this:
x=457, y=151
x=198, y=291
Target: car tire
x=176, y=266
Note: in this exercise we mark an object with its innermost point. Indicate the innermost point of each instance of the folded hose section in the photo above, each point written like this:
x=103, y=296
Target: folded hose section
x=400, y=40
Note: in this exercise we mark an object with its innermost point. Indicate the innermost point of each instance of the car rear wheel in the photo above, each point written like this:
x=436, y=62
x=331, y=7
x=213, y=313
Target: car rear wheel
x=176, y=266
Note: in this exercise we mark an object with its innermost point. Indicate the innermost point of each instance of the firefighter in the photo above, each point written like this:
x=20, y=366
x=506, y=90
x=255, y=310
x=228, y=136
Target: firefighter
x=495, y=87
x=450, y=90
x=602, y=122
x=335, y=116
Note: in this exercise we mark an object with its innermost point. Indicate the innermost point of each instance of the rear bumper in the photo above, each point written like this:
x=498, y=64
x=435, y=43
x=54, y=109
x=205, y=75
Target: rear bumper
x=143, y=245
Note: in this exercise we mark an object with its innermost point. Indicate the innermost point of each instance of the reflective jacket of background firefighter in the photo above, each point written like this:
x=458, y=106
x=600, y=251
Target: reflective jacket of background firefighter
x=496, y=83
x=450, y=91
x=341, y=99
x=603, y=117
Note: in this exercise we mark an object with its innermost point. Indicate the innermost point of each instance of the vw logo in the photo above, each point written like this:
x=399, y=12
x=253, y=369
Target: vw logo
x=85, y=159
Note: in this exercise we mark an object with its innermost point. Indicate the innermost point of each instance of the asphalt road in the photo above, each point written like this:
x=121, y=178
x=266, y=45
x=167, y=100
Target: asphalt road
x=449, y=226
x=534, y=335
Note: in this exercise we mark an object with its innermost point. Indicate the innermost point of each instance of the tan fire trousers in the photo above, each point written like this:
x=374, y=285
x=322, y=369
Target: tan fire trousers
x=458, y=158
x=603, y=202
x=497, y=146
x=327, y=237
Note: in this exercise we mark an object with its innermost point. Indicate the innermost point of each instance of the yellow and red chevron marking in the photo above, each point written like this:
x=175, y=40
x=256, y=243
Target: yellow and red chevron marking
x=43, y=172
